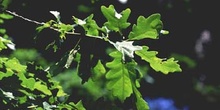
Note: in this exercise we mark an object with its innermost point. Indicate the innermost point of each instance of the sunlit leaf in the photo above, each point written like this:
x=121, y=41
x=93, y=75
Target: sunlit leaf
x=141, y=104
x=89, y=25
x=15, y=65
x=46, y=25
x=64, y=28
x=58, y=87
x=7, y=74
x=2, y=45
x=146, y=28
x=43, y=88
x=27, y=82
x=4, y=42
x=158, y=64
x=119, y=81
x=115, y=21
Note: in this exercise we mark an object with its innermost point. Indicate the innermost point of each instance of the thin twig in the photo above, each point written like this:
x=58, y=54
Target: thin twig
x=36, y=22
x=26, y=19
x=42, y=23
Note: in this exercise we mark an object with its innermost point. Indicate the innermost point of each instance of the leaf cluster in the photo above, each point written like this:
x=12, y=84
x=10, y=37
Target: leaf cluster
x=118, y=79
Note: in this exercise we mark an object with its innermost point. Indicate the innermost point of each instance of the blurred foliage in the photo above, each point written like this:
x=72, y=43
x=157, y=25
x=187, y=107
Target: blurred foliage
x=29, y=55
x=190, y=63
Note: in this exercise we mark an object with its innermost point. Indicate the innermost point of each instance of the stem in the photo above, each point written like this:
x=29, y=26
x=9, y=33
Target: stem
x=26, y=19
x=55, y=29
x=74, y=48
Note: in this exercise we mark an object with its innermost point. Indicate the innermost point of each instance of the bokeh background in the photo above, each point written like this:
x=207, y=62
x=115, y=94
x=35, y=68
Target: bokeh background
x=193, y=27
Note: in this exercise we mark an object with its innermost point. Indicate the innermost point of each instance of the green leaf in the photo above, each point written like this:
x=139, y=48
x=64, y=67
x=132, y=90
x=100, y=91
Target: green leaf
x=29, y=83
x=7, y=74
x=158, y=64
x=66, y=27
x=22, y=100
x=2, y=31
x=56, y=85
x=63, y=29
x=4, y=71
x=2, y=45
x=119, y=81
x=95, y=93
x=46, y=25
x=43, y=88
x=141, y=104
x=25, y=55
x=89, y=25
x=113, y=22
x=79, y=105
x=26, y=82
x=1, y=21
x=15, y=65
x=98, y=71
x=6, y=16
x=146, y=28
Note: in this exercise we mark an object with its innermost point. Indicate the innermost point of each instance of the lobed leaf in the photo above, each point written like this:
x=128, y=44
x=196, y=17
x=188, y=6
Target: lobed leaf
x=89, y=25
x=119, y=81
x=146, y=27
x=113, y=22
x=156, y=63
